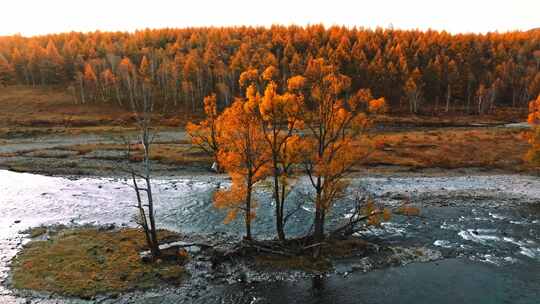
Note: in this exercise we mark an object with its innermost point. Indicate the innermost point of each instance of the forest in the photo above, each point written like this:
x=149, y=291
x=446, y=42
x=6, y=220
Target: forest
x=419, y=72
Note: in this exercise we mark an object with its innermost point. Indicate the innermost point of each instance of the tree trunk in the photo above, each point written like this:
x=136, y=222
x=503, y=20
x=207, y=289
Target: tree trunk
x=151, y=216
x=279, y=207
x=318, y=224
x=118, y=99
x=83, y=100
x=448, y=97
x=248, y=211
x=142, y=213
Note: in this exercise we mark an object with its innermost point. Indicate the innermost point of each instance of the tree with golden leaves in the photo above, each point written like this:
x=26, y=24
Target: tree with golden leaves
x=413, y=89
x=7, y=72
x=205, y=134
x=533, y=155
x=244, y=156
x=335, y=123
x=280, y=116
x=52, y=65
x=89, y=84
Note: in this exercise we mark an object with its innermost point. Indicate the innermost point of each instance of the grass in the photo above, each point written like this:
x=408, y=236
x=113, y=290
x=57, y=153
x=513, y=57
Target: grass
x=446, y=148
x=48, y=107
x=439, y=118
x=86, y=262
x=83, y=149
x=28, y=112
x=165, y=153
x=494, y=148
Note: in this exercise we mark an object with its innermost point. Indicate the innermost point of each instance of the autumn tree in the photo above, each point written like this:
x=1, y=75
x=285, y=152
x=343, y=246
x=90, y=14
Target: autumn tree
x=52, y=65
x=413, y=90
x=205, y=134
x=452, y=78
x=335, y=121
x=7, y=72
x=485, y=97
x=243, y=155
x=281, y=119
x=533, y=155
x=90, y=81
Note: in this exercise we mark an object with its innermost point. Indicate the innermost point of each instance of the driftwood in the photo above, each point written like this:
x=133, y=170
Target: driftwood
x=313, y=246
x=348, y=228
x=173, y=249
x=351, y=228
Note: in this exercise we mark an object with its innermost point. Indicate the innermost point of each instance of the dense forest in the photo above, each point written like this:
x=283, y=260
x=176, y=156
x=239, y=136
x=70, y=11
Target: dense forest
x=416, y=71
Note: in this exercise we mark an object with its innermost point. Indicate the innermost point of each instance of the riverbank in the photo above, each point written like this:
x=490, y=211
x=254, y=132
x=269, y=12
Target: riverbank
x=471, y=150
x=43, y=131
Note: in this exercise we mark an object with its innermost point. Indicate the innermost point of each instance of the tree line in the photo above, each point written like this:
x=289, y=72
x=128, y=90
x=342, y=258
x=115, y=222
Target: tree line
x=415, y=71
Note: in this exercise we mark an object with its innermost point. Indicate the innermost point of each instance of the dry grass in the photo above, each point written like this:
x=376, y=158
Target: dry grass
x=439, y=118
x=165, y=153
x=447, y=148
x=49, y=107
x=37, y=111
x=87, y=148
x=497, y=148
x=179, y=155
x=86, y=262
x=28, y=111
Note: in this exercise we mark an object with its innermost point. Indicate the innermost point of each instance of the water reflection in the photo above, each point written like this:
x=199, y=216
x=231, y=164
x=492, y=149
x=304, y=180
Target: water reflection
x=318, y=284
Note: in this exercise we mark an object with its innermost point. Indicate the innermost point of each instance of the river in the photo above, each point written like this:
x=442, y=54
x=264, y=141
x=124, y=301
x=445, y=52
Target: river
x=486, y=226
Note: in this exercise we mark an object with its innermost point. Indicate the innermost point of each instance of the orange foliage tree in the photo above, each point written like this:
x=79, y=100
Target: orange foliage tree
x=205, y=134
x=7, y=72
x=244, y=156
x=335, y=123
x=280, y=117
x=533, y=155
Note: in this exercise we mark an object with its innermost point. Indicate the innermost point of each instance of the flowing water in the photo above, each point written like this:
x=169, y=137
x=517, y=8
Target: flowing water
x=487, y=227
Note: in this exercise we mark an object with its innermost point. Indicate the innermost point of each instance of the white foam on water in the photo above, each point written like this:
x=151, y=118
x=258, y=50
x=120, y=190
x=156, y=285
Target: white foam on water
x=447, y=226
x=494, y=259
x=530, y=252
x=474, y=236
x=497, y=216
x=442, y=243
x=512, y=241
x=511, y=260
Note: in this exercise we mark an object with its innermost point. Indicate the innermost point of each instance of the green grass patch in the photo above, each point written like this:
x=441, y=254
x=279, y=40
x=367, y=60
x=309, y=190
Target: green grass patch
x=86, y=262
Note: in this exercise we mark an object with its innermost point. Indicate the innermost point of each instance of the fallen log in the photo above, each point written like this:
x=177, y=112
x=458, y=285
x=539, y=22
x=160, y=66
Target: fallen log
x=172, y=250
